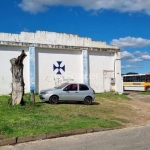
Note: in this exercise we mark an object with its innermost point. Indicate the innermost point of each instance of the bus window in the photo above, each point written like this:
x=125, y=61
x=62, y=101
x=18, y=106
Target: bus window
x=128, y=79
x=138, y=78
x=147, y=78
x=124, y=79
x=142, y=78
x=133, y=79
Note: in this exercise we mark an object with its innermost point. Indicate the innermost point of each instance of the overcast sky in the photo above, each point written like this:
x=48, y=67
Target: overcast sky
x=125, y=23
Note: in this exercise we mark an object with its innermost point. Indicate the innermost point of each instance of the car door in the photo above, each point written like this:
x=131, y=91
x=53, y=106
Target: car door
x=83, y=92
x=70, y=92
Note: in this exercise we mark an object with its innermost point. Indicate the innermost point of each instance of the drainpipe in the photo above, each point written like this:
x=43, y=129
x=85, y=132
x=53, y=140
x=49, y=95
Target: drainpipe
x=114, y=67
x=115, y=71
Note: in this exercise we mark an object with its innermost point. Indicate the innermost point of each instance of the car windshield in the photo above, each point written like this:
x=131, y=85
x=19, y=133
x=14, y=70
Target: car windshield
x=61, y=86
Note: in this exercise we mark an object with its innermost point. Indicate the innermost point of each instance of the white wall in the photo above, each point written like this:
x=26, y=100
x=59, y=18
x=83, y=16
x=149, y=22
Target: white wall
x=7, y=53
x=44, y=37
x=47, y=78
x=119, y=79
x=98, y=63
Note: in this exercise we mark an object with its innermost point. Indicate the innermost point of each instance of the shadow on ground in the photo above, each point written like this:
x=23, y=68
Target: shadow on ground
x=66, y=103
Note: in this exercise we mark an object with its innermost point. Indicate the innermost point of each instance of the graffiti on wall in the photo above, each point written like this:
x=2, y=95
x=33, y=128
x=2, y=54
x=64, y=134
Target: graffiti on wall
x=59, y=78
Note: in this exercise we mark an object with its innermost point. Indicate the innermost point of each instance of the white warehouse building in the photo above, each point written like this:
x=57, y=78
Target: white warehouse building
x=55, y=58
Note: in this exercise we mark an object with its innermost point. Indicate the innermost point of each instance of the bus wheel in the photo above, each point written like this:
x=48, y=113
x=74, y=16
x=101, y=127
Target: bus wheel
x=148, y=89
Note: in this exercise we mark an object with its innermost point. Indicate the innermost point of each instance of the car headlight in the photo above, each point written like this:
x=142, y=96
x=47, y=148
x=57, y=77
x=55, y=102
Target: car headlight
x=43, y=93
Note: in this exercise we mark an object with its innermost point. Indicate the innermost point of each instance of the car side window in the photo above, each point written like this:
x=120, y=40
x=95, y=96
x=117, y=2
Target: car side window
x=83, y=87
x=71, y=87
x=67, y=88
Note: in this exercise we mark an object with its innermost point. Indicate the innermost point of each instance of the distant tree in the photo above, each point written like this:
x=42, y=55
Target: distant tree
x=17, y=79
x=131, y=73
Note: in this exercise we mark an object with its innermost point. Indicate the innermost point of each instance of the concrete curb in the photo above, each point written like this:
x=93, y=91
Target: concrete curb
x=31, y=138
x=17, y=140
x=9, y=141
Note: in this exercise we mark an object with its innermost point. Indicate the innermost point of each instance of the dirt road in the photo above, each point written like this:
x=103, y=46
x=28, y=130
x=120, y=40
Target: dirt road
x=140, y=103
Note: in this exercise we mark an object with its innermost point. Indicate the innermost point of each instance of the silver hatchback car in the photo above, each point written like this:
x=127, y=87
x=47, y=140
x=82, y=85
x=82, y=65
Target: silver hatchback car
x=69, y=92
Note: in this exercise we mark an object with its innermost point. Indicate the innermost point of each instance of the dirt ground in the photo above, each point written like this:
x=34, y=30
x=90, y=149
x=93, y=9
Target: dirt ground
x=140, y=103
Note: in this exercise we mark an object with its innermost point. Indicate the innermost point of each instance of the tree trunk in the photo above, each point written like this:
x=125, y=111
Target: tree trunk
x=17, y=79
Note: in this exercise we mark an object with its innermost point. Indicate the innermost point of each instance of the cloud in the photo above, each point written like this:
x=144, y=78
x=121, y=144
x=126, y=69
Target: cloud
x=33, y=6
x=135, y=60
x=94, y=13
x=131, y=6
x=130, y=42
x=26, y=30
x=145, y=57
x=130, y=67
x=126, y=55
x=139, y=53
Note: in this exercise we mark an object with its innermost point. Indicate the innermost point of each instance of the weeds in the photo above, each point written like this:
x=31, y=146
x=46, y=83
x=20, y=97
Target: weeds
x=42, y=117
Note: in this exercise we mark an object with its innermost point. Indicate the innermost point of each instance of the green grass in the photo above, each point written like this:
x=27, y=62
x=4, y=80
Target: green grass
x=45, y=118
x=113, y=96
x=145, y=93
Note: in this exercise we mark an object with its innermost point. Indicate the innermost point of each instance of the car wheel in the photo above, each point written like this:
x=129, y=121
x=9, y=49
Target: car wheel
x=148, y=89
x=53, y=100
x=88, y=101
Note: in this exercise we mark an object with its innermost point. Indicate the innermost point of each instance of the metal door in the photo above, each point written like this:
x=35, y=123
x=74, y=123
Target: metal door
x=107, y=76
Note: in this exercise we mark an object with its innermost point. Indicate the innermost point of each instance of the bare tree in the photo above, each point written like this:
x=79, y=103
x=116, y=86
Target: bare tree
x=17, y=79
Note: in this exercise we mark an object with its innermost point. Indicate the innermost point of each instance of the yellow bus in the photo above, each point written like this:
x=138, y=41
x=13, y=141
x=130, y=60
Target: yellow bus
x=136, y=82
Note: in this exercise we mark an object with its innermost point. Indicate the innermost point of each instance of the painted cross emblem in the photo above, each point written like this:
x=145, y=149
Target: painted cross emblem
x=59, y=68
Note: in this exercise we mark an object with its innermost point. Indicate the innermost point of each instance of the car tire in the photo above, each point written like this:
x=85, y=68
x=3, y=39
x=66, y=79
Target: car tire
x=53, y=100
x=88, y=100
